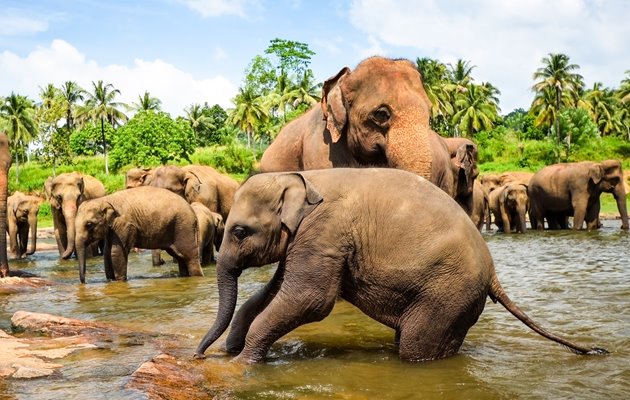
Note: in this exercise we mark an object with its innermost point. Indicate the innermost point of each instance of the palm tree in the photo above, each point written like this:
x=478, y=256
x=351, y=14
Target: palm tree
x=478, y=109
x=249, y=114
x=557, y=75
x=146, y=102
x=602, y=104
x=461, y=73
x=48, y=94
x=71, y=93
x=198, y=119
x=101, y=107
x=17, y=114
x=435, y=79
x=285, y=93
x=308, y=92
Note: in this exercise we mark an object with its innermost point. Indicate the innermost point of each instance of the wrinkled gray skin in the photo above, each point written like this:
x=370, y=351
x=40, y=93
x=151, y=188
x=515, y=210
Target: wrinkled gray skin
x=22, y=213
x=340, y=232
x=509, y=205
x=144, y=217
x=65, y=193
x=376, y=115
x=561, y=190
x=210, y=231
x=463, y=153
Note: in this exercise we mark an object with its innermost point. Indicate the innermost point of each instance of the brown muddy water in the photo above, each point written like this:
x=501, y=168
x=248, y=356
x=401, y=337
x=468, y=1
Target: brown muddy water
x=575, y=284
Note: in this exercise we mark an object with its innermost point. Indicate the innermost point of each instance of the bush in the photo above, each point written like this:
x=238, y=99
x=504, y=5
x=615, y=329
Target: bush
x=232, y=158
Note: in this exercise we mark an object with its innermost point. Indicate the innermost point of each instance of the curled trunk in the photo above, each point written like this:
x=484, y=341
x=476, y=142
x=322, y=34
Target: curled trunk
x=228, y=286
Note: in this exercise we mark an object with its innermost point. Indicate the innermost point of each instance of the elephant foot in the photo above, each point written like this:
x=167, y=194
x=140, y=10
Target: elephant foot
x=199, y=356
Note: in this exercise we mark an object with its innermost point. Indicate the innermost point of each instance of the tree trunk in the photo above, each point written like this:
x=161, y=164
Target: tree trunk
x=104, y=146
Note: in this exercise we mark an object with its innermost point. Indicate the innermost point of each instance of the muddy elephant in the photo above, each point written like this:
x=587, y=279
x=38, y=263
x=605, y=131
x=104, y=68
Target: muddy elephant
x=66, y=192
x=509, y=204
x=120, y=219
x=138, y=177
x=573, y=189
x=463, y=153
x=210, y=231
x=22, y=213
x=375, y=115
x=480, y=206
x=340, y=232
x=5, y=165
x=198, y=183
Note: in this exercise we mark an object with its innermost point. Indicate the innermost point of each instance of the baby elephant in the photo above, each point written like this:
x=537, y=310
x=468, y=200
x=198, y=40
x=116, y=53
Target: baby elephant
x=414, y=261
x=509, y=205
x=210, y=231
x=22, y=213
x=145, y=217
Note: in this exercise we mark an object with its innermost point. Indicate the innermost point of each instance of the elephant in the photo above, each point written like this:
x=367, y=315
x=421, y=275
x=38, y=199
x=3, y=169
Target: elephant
x=573, y=189
x=509, y=205
x=463, y=153
x=493, y=181
x=22, y=213
x=198, y=183
x=480, y=206
x=65, y=193
x=210, y=231
x=339, y=232
x=376, y=116
x=144, y=217
x=138, y=177
x=5, y=165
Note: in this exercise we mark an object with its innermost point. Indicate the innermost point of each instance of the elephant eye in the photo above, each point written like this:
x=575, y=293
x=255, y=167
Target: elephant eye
x=381, y=115
x=240, y=232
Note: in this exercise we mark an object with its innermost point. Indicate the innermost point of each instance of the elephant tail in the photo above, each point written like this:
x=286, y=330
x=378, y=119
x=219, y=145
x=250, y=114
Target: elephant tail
x=497, y=294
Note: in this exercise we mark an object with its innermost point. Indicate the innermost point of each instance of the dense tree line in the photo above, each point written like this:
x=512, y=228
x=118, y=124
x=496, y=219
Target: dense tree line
x=70, y=121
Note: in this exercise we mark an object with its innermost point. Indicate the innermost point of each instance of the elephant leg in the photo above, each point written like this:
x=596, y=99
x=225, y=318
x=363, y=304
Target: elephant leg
x=119, y=256
x=107, y=261
x=250, y=310
x=23, y=240
x=297, y=302
x=187, y=256
x=207, y=254
x=579, y=212
x=156, y=257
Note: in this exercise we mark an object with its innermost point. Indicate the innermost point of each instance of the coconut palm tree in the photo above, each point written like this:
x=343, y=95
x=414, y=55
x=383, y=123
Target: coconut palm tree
x=557, y=74
x=435, y=79
x=197, y=119
x=478, y=109
x=100, y=106
x=308, y=92
x=17, y=119
x=249, y=114
x=146, y=102
x=71, y=93
x=602, y=105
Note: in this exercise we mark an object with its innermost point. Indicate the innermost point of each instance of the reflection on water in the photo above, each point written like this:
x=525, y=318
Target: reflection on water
x=575, y=284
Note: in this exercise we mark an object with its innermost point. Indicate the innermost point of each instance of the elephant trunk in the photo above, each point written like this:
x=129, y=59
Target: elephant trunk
x=409, y=146
x=32, y=226
x=620, y=197
x=81, y=257
x=227, y=281
x=69, y=214
x=522, y=212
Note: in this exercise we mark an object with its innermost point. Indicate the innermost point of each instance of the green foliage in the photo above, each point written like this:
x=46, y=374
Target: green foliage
x=210, y=133
x=232, y=158
x=88, y=140
x=56, y=148
x=151, y=139
x=522, y=122
x=292, y=56
x=576, y=130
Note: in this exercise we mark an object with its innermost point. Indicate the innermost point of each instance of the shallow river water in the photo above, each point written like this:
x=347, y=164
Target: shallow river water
x=576, y=284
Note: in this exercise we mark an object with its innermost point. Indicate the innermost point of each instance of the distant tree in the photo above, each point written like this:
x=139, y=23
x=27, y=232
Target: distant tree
x=152, y=138
x=478, y=109
x=435, y=79
x=146, y=102
x=87, y=141
x=294, y=57
x=522, y=122
x=101, y=107
x=602, y=105
x=17, y=118
x=52, y=148
x=260, y=76
x=71, y=93
x=250, y=113
x=577, y=129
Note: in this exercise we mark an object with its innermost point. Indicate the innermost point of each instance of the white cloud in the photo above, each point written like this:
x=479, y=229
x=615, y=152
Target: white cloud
x=216, y=8
x=13, y=24
x=375, y=48
x=505, y=39
x=62, y=62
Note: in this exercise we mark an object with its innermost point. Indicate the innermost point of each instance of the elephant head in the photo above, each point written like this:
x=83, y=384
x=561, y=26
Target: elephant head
x=381, y=112
x=607, y=176
x=138, y=177
x=262, y=222
x=22, y=211
x=66, y=194
x=514, y=200
x=93, y=221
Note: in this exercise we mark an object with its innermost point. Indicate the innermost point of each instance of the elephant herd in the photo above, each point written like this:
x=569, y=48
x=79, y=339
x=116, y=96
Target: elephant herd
x=357, y=199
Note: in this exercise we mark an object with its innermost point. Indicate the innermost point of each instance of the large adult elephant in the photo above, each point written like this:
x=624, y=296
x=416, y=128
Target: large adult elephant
x=341, y=232
x=5, y=165
x=561, y=190
x=22, y=213
x=463, y=153
x=375, y=115
x=66, y=192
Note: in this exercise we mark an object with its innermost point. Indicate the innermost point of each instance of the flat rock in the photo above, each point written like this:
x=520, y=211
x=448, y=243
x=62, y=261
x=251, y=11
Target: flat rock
x=14, y=284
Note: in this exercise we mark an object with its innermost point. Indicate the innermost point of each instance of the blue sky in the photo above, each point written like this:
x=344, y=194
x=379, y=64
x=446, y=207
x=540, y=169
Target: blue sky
x=186, y=51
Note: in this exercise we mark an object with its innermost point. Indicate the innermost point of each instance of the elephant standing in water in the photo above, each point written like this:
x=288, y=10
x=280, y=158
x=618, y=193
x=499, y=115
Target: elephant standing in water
x=210, y=231
x=144, y=217
x=376, y=115
x=414, y=261
x=65, y=193
x=22, y=213
x=573, y=189
x=463, y=153
x=5, y=165
x=509, y=205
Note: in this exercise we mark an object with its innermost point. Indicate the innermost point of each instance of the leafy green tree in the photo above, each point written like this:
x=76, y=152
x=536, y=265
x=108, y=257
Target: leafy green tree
x=557, y=78
x=87, y=141
x=101, y=107
x=71, y=93
x=55, y=149
x=17, y=118
x=152, y=138
x=294, y=57
x=217, y=117
x=435, y=79
x=522, y=122
x=260, y=76
x=478, y=109
x=52, y=148
x=146, y=102
x=250, y=113
x=602, y=104
x=577, y=129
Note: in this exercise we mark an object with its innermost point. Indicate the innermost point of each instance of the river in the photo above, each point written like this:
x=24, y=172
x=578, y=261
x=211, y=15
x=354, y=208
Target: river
x=576, y=284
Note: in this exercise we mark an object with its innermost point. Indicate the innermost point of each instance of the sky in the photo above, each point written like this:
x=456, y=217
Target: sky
x=196, y=51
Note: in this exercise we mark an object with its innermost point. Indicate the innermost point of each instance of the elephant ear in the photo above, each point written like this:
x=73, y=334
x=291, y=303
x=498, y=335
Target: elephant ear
x=611, y=167
x=299, y=199
x=109, y=213
x=596, y=173
x=333, y=105
x=466, y=162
